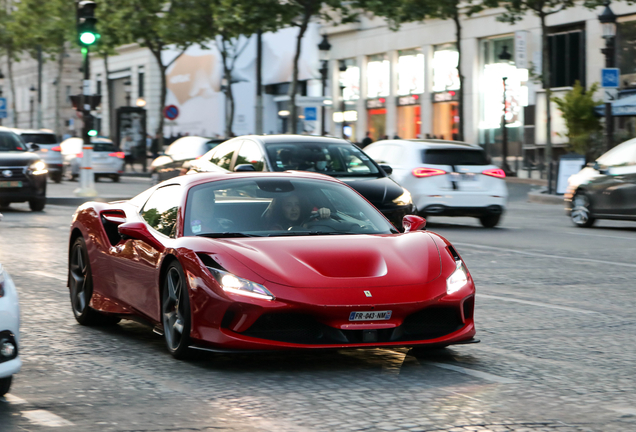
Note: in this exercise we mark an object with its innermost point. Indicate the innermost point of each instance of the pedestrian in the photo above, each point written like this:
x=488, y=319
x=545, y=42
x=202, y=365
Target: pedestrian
x=154, y=147
x=127, y=146
x=396, y=136
x=367, y=140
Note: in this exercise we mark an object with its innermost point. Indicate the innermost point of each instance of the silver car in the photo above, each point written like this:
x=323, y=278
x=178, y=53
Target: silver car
x=108, y=160
x=50, y=151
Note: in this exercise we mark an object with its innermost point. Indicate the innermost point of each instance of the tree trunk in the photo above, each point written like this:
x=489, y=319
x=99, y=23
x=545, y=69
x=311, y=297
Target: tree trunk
x=111, y=101
x=229, y=97
x=58, y=92
x=12, y=85
x=460, y=105
x=293, y=117
x=546, y=85
x=162, y=98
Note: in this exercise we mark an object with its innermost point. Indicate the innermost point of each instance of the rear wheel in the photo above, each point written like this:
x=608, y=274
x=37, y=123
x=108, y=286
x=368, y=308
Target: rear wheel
x=5, y=385
x=81, y=288
x=115, y=178
x=490, y=221
x=175, y=311
x=56, y=176
x=37, y=205
x=581, y=215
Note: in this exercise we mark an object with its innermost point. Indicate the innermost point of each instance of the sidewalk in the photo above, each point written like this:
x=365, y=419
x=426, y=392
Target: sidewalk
x=107, y=190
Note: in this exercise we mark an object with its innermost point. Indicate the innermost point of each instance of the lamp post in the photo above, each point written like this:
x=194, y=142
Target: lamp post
x=1, y=84
x=32, y=90
x=504, y=56
x=608, y=21
x=343, y=68
x=127, y=90
x=324, y=46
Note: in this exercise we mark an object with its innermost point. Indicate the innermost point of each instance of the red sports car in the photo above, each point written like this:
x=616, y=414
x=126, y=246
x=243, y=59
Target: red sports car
x=267, y=261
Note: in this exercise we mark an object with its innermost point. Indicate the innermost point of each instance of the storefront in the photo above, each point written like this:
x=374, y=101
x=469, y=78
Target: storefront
x=376, y=118
x=409, y=121
x=378, y=88
x=444, y=96
x=350, y=88
x=410, y=69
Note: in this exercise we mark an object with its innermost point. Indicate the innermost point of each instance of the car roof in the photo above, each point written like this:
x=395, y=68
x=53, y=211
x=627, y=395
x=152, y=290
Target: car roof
x=201, y=178
x=33, y=131
x=294, y=139
x=431, y=144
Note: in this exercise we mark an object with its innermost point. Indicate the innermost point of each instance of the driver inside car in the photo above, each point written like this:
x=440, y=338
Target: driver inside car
x=291, y=211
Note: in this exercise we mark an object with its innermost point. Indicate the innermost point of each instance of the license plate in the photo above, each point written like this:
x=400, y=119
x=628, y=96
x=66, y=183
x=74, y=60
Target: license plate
x=370, y=316
x=10, y=184
x=463, y=177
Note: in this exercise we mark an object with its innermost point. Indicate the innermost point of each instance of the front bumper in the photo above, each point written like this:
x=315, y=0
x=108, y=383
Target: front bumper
x=33, y=187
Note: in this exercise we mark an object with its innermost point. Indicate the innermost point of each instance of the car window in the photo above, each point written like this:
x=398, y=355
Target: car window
x=161, y=210
x=212, y=144
x=336, y=159
x=622, y=155
x=250, y=153
x=222, y=155
x=386, y=153
x=11, y=142
x=104, y=147
x=39, y=138
x=454, y=157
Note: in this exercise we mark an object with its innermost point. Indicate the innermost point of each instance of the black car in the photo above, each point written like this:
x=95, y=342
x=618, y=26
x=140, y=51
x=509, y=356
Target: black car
x=604, y=189
x=175, y=160
x=22, y=173
x=331, y=156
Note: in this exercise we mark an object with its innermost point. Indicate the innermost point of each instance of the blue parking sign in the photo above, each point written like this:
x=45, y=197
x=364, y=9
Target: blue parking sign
x=610, y=77
x=311, y=114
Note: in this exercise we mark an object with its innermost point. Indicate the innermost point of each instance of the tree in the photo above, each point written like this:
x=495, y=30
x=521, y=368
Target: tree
x=402, y=11
x=577, y=107
x=11, y=46
x=160, y=25
x=517, y=10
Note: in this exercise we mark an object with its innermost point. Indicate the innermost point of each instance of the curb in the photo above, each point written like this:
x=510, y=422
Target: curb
x=538, y=196
x=78, y=201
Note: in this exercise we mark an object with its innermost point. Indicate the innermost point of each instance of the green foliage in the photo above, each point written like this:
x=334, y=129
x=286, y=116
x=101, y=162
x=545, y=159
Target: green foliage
x=577, y=107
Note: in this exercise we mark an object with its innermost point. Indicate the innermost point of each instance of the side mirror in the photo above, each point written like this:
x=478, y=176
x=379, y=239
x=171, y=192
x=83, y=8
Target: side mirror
x=596, y=166
x=139, y=231
x=33, y=147
x=244, y=167
x=413, y=223
x=387, y=168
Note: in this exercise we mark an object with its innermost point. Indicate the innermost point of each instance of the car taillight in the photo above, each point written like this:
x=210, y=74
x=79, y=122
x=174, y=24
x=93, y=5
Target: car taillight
x=119, y=155
x=495, y=172
x=80, y=154
x=57, y=148
x=427, y=172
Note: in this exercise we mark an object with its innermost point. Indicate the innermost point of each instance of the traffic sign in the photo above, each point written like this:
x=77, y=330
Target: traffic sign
x=311, y=114
x=3, y=107
x=171, y=112
x=610, y=77
x=610, y=95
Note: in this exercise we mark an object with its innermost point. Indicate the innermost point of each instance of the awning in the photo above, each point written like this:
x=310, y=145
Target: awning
x=621, y=108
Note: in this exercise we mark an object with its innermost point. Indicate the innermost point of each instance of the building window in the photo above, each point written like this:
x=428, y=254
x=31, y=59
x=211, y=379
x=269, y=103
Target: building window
x=567, y=58
x=626, y=52
x=378, y=76
x=99, y=87
x=445, y=74
x=68, y=94
x=410, y=72
x=140, y=84
x=350, y=80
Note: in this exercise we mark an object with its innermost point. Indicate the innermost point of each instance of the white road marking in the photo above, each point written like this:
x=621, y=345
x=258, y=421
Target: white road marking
x=478, y=374
x=46, y=418
x=543, y=255
x=600, y=235
x=47, y=274
x=539, y=304
x=14, y=400
x=624, y=410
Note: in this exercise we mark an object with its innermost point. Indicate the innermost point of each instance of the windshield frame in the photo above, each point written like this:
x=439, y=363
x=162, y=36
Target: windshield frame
x=23, y=148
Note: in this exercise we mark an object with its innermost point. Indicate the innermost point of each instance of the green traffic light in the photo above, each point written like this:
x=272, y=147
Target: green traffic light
x=88, y=38
x=92, y=132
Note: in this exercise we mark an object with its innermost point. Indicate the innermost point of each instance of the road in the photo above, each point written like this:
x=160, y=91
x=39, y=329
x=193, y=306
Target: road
x=554, y=312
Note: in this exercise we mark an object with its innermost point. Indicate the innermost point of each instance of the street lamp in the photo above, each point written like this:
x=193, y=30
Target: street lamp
x=324, y=46
x=32, y=89
x=504, y=56
x=127, y=90
x=343, y=68
x=608, y=21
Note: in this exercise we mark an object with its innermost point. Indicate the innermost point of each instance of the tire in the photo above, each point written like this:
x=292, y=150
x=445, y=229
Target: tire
x=37, y=205
x=175, y=311
x=81, y=288
x=97, y=178
x=580, y=215
x=4, y=205
x=490, y=221
x=56, y=177
x=5, y=385
x=115, y=178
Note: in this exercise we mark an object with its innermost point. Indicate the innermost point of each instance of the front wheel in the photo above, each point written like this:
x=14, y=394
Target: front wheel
x=5, y=385
x=175, y=311
x=490, y=221
x=37, y=205
x=581, y=215
x=56, y=177
x=115, y=178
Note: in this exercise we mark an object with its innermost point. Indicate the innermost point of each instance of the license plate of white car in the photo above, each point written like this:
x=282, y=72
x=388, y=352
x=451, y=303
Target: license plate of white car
x=10, y=184
x=463, y=177
x=370, y=316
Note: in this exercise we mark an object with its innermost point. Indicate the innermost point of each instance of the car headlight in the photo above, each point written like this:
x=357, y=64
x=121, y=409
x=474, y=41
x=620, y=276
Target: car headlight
x=457, y=280
x=38, y=168
x=404, y=199
x=236, y=285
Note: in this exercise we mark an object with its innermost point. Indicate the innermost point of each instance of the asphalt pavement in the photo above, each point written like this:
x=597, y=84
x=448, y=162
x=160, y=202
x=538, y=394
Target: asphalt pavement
x=554, y=313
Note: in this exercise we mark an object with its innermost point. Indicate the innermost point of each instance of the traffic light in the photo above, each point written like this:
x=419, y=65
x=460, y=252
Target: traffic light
x=92, y=133
x=87, y=33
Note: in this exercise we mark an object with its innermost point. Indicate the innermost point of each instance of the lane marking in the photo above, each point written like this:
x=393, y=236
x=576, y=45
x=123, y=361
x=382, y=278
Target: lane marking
x=45, y=274
x=541, y=255
x=475, y=373
x=600, y=235
x=46, y=418
x=14, y=400
x=623, y=410
x=539, y=304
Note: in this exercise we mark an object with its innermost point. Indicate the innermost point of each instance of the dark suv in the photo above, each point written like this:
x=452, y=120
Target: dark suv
x=22, y=172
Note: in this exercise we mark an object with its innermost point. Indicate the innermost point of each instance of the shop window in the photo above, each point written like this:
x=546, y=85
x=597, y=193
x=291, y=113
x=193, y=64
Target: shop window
x=378, y=76
x=567, y=58
x=626, y=52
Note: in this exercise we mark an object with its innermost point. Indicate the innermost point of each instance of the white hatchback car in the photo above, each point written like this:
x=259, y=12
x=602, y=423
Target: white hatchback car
x=445, y=178
x=108, y=160
x=10, y=362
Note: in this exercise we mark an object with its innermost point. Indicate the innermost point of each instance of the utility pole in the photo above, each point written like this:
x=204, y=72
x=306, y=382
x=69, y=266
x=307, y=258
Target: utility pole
x=39, y=109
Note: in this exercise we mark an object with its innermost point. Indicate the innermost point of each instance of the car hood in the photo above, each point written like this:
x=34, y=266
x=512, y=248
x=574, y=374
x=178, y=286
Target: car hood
x=338, y=261
x=376, y=190
x=17, y=158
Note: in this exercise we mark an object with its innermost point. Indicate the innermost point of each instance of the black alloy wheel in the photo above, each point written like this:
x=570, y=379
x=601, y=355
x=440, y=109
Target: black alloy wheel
x=490, y=221
x=175, y=311
x=580, y=215
x=37, y=204
x=5, y=385
x=81, y=287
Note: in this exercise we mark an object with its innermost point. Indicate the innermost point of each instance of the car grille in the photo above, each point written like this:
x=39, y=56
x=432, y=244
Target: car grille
x=429, y=323
x=17, y=173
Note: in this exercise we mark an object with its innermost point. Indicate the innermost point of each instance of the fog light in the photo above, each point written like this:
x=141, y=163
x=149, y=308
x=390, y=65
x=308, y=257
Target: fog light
x=7, y=349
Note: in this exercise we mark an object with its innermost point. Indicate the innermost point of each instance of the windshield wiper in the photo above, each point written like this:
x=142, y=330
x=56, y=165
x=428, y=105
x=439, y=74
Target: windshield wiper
x=227, y=235
x=309, y=233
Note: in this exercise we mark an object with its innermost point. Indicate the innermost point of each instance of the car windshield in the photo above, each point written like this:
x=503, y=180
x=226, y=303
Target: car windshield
x=338, y=159
x=39, y=138
x=11, y=142
x=454, y=157
x=621, y=155
x=277, y=206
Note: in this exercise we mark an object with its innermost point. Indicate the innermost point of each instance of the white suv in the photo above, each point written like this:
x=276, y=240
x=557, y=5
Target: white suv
x=10, y=362
x=445, y=178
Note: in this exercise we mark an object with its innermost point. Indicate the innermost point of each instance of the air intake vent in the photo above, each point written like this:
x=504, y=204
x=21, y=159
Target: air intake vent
x=454, y=253
x=208, y=261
